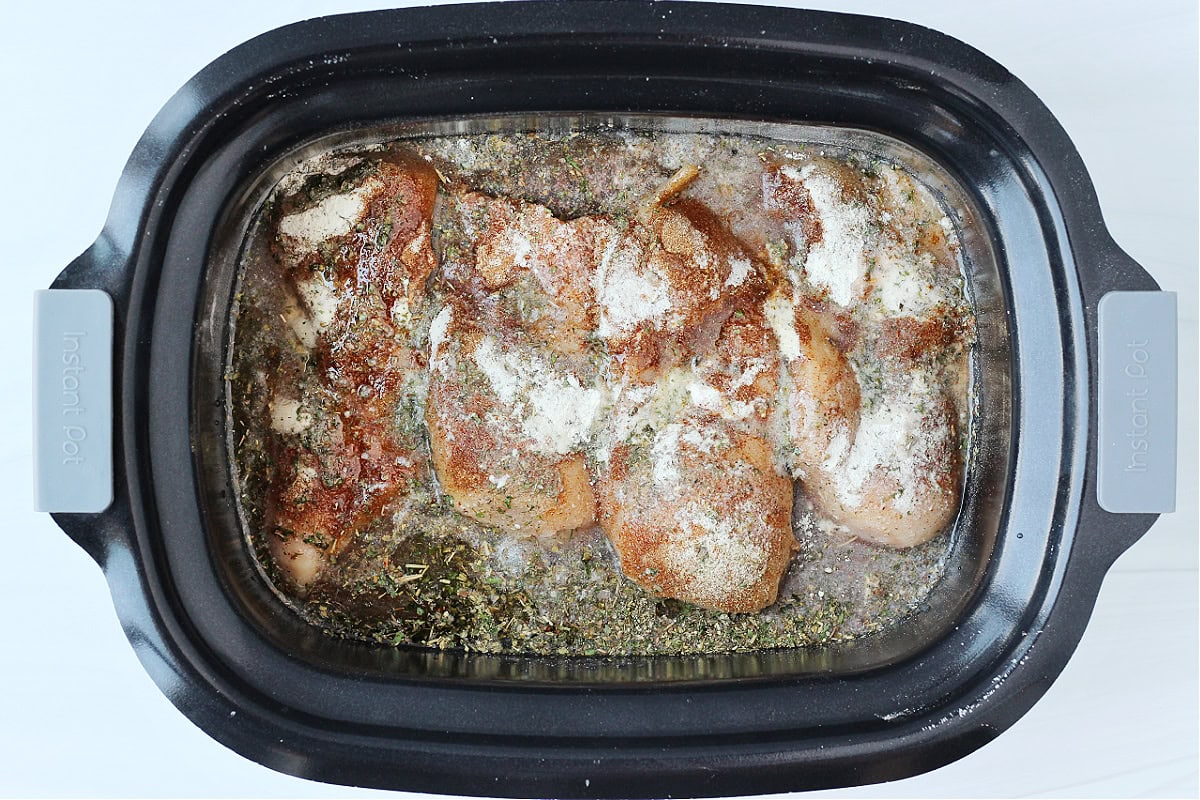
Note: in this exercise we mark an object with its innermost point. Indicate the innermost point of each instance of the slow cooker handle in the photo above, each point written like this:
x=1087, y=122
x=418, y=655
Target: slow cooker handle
x=1132, y=338
x=73, y=408
x=77, y=331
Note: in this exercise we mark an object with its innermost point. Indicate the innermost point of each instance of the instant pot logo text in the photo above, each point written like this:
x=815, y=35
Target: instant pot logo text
x=71, y=401
x=1137, y=368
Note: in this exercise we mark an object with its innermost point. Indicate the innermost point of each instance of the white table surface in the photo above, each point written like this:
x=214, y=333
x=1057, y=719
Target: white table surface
x=80, y=81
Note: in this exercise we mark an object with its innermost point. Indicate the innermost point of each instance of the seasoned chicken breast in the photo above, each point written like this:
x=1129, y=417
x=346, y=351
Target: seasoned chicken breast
x=514, y=389
x=520, y=262
x=506, y=427
x=898, y=483
x=665, y=288
x=820, y=396
x=719, y=544
x=880, y=460
x=722, y=544
x=358, y=260
x=872, y=439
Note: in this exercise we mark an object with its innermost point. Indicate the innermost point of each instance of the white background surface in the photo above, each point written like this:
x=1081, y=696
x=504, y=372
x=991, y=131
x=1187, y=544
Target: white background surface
x=79, y=82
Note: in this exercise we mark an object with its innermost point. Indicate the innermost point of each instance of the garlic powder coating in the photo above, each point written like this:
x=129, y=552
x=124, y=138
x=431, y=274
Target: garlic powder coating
x=838, y=261
x=625, y=293
x=551, y=406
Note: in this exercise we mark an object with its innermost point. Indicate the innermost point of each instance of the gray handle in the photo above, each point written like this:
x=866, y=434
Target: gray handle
x=1138, y=402
x=72, y=401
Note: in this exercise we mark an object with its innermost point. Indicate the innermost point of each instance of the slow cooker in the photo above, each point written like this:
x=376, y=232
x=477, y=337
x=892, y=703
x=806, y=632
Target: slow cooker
x=1073, y=453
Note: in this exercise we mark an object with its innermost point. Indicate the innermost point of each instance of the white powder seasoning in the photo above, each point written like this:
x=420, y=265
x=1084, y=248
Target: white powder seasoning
x=782, y=319
x=719, y=553
x=664, y=455
x=401, y=312
x=437, y=335
x=705, y=395
x=563, y=414
x=336, y=215
x=322, y=301
x=627, y=412
x=628, y=291
x=753, y=368
x=894, y=439
x=739, y=270
x=517, y=244
x=704, y=438
x=902, y=284
x=550, y=406
x=503, y=370
x=836, y=263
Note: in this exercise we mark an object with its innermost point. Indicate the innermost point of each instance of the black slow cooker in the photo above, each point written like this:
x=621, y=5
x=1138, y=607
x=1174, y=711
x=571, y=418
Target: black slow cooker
x=1072, y=452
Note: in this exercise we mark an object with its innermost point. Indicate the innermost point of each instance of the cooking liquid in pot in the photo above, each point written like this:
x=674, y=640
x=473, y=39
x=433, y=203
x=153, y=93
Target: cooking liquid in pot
x=601, y=392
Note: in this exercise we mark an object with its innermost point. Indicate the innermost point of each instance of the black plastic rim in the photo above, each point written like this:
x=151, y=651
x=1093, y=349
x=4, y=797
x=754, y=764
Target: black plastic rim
x=702, y=738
